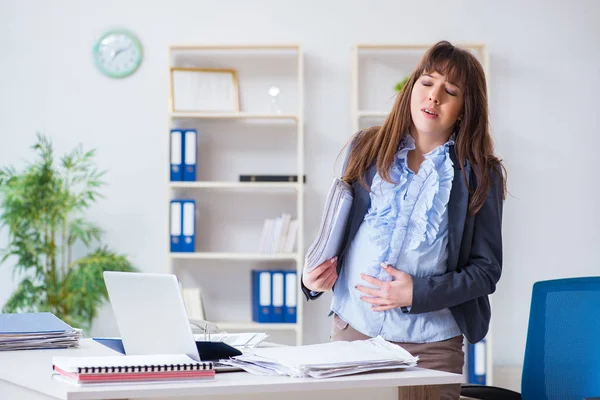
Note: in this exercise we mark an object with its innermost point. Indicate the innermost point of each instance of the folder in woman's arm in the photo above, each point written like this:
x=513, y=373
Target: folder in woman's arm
x=334, y=220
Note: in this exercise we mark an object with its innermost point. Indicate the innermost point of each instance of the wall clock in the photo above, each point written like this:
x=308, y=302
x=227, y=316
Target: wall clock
x=117, y=53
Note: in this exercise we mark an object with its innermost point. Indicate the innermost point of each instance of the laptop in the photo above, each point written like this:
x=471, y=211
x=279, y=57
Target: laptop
x=151, y=315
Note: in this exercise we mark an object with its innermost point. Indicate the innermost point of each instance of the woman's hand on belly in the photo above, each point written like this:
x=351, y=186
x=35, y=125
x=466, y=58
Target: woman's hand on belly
x=388, y=295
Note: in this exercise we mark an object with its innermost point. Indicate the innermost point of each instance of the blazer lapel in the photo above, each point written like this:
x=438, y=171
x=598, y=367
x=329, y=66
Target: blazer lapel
x=360, y=206
x=457, y=210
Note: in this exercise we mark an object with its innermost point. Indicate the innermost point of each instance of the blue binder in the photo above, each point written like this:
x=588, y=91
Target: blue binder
x=176, y=155
x=291, y=297
x=176, y=218
x=476, y=362
x=188, y=242
x=28, y=323
x=190, y=155
x=261, y=296
x=277, y=296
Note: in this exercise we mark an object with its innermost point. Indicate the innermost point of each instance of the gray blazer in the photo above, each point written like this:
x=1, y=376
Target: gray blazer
x=474, y=254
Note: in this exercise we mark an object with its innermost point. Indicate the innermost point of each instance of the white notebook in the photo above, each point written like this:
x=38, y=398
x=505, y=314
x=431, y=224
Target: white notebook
x=133, y=363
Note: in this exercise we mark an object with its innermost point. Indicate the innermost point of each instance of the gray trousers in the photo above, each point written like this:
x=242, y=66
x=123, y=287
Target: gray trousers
x=447, y=355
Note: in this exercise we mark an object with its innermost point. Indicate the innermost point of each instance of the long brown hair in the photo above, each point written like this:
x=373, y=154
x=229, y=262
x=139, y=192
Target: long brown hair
x=472, y=137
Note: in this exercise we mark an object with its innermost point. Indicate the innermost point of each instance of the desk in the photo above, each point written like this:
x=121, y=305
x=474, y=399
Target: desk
x=27, y=375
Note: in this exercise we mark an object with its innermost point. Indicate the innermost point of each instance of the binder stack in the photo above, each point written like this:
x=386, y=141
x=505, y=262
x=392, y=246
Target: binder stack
x=274, y=296
x=183, y=226
x=183, y=155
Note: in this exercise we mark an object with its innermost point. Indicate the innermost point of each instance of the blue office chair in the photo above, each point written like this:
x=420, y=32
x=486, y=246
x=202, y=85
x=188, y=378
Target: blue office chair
x=562, y=353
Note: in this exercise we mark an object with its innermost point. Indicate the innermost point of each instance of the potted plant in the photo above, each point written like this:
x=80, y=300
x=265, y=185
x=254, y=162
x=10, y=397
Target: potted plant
x=398, y=87
x=42, y=207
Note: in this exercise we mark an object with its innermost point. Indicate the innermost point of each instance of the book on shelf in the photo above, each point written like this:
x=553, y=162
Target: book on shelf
x=279, y=234
x=131, y=368
x=270, y=178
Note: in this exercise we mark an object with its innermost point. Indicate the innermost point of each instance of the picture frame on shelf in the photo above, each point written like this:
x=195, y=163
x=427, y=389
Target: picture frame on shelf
x=209, y=90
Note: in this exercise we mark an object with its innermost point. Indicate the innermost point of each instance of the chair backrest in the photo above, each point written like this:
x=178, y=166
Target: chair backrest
x=562, y=354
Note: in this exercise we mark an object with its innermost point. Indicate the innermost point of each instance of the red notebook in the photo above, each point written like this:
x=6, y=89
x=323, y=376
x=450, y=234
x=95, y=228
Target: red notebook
x=123, y=369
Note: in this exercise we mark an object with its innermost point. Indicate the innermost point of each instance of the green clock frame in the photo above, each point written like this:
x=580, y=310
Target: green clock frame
x=121, y=74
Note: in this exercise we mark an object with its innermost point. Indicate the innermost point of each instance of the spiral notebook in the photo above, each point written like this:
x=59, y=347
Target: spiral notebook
x=122, y=369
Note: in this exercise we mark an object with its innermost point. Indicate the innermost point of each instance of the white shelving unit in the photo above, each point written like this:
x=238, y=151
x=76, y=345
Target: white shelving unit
x=238, y=185
x=253, y=125
x=234, y=256
x=372, y=63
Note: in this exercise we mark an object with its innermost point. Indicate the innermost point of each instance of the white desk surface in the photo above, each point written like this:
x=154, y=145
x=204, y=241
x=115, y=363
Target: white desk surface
x=32, y=370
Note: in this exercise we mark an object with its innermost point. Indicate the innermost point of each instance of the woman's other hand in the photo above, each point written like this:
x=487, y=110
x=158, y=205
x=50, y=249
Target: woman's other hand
x=323, y=277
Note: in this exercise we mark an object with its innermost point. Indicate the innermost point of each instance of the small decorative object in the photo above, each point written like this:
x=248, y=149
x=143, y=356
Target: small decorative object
x=274, y=107
x=204, y=90
x=43, y=207
x=400, y=84
x=117, y=53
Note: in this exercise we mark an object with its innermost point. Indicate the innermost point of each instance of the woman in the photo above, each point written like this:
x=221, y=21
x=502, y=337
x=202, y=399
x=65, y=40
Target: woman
x=423, y=248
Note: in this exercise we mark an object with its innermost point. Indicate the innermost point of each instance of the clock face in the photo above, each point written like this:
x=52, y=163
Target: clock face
x=118, y=54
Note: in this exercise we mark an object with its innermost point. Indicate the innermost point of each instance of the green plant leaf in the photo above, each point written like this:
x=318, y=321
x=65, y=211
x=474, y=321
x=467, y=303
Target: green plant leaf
x=43, y=207
x=27, y=297
x=86, y=232
x=400, y=85
x=84, y=284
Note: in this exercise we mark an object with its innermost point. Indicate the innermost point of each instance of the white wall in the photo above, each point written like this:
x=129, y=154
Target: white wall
x=545, y=77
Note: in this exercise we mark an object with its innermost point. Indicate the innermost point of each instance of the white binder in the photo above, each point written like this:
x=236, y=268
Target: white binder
x=176, y=223
x=278, y=296
x=189, y=160
x=189, y=226
x=176, y=154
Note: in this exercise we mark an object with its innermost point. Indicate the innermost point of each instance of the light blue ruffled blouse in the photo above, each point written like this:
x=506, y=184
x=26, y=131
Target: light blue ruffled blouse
x=406, y=227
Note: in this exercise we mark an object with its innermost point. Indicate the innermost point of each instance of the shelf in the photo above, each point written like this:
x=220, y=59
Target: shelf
x=372, y=113
x=412, y=46
x=295, y=47
x=235, y=256
x=235, y=185
x=255, y=327
x=234, y=116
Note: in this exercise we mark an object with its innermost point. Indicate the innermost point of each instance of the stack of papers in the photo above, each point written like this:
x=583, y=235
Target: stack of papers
x=333, y=225
x=325, y=360
x=29, y=331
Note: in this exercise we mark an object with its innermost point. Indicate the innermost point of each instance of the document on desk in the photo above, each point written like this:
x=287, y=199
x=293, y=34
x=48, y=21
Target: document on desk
x=238, y=340
x=325, y=360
